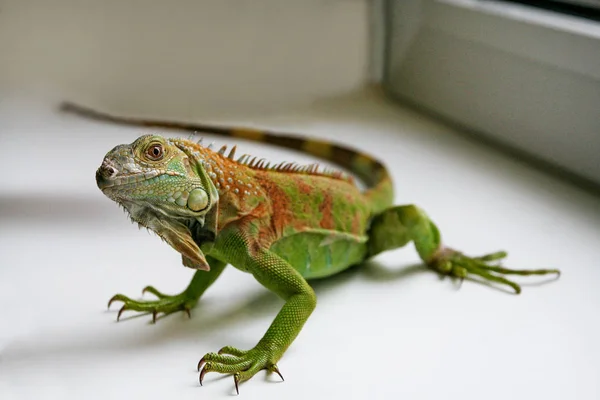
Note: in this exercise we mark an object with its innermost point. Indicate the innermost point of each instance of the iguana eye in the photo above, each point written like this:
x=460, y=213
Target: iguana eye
x=155, y=152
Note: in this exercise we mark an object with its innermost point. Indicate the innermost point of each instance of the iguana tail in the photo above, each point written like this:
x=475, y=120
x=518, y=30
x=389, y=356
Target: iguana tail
x=368, y=169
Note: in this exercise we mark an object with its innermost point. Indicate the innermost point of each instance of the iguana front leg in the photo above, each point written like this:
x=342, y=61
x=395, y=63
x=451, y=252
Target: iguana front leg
x=397, y=226
x=278, y=276
x=168, y=304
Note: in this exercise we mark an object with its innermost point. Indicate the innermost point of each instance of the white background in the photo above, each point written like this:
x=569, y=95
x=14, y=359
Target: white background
x=389, y=329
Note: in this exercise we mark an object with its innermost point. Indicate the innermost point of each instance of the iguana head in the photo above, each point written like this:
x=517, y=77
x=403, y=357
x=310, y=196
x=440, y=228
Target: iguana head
x=164, y=188
x=152, y=172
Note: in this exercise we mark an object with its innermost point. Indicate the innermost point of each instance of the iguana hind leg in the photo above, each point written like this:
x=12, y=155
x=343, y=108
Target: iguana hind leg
x=399, y=225
x=168, y=304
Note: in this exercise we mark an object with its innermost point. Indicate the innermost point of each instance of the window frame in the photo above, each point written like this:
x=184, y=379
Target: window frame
x=525, y=39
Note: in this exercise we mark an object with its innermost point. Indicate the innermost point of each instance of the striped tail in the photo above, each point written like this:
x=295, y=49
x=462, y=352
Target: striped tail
x=368, y=169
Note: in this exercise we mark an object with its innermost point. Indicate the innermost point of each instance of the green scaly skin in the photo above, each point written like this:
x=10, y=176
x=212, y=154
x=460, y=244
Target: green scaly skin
x=283, y=224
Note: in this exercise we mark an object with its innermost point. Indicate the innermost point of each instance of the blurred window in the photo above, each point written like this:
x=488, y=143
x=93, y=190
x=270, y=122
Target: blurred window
x=582, y=8
x=525, y=77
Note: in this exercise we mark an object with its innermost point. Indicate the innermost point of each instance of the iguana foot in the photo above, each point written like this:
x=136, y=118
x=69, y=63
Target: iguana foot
x=165, y=304
x=242, y=364
x=451, y=262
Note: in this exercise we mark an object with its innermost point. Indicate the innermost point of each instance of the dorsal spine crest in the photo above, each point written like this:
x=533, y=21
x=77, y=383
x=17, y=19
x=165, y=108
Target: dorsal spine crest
x=262, y=164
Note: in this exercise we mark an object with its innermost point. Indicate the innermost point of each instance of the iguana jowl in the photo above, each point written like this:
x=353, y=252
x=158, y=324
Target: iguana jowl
x=284, y=224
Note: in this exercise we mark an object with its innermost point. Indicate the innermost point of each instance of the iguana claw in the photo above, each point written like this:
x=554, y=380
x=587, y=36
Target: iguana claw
x=121, y=312
x=242, y=364
x=201, y=376
x=236, y=381
x=165, y=304
x=450, y=262
x=274, y=368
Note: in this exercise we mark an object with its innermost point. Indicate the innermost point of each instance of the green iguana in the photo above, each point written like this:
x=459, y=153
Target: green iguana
x=285, y=224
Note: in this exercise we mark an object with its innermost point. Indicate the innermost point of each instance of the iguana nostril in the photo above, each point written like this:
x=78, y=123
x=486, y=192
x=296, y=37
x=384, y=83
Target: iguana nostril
x=108, y=171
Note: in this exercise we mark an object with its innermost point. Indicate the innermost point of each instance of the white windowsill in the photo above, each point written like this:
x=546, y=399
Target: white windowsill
x=65, y=249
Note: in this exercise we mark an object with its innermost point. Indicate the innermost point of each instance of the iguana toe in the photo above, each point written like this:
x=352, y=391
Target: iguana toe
x=154, y=291
x=232, y=351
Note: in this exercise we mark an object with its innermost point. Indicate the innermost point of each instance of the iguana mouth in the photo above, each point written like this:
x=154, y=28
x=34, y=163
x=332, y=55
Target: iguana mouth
x=105, y=182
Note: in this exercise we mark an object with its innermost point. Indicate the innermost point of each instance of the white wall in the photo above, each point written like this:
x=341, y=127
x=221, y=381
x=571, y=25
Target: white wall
x=185, y=58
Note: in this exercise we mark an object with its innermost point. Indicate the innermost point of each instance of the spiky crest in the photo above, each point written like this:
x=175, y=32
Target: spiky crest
x=287, y=167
